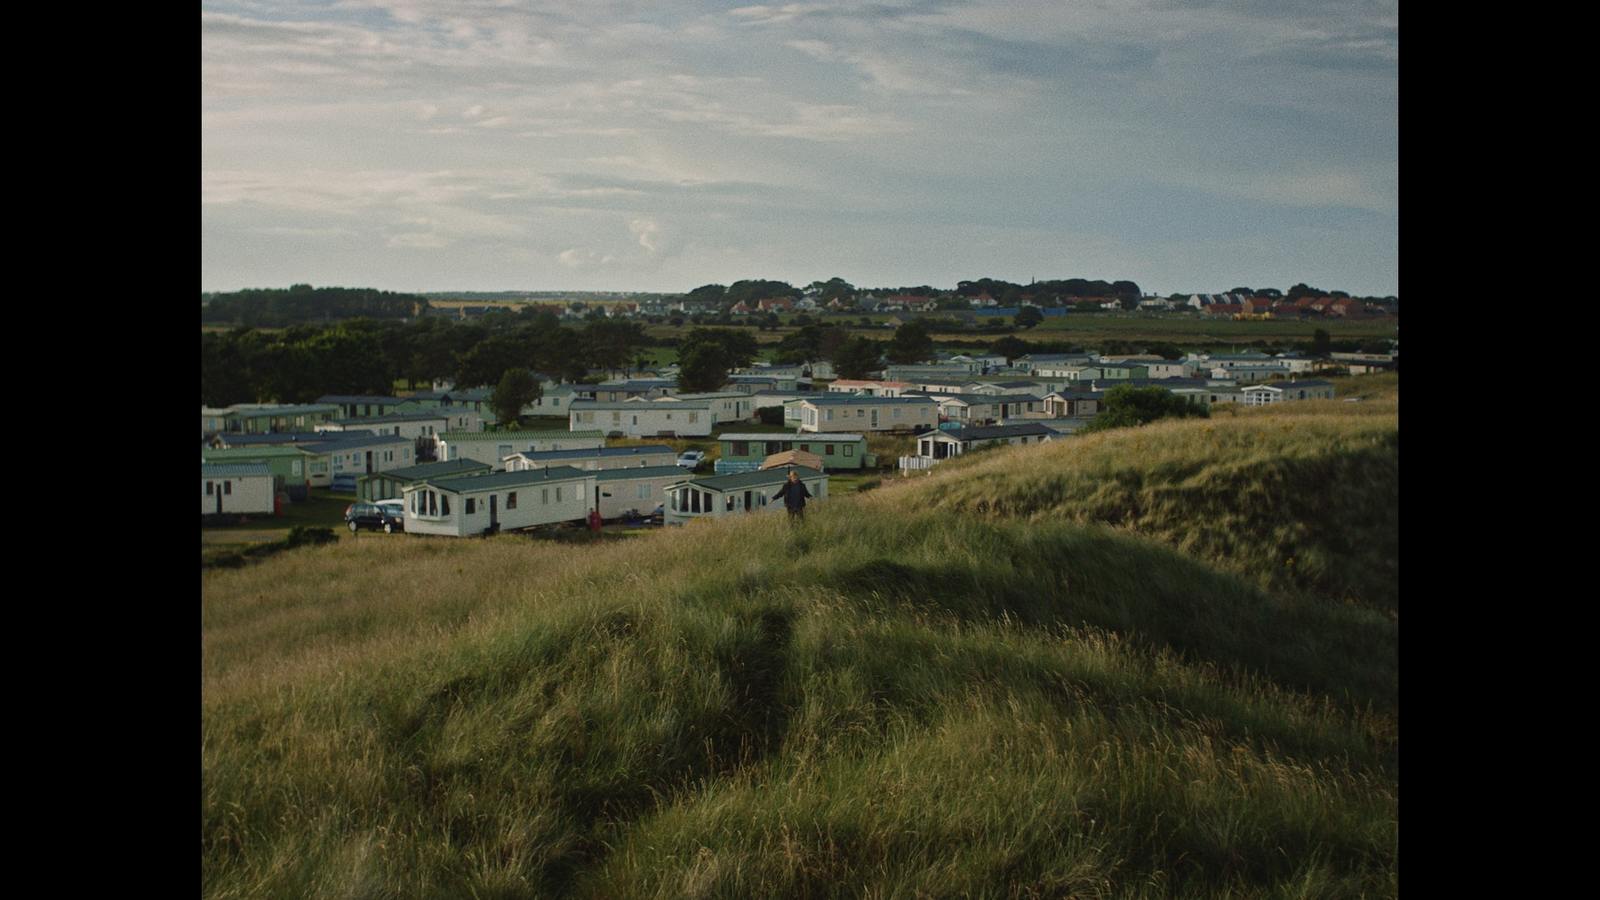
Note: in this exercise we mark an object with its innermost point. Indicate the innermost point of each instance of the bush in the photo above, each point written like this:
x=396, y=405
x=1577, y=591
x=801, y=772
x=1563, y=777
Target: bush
x=301, y=535
x=771, y=415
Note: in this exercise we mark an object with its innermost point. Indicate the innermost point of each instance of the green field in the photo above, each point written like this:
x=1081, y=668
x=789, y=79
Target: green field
x=1152, y=662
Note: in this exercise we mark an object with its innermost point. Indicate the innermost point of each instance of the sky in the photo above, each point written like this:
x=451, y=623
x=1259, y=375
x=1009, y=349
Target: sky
x=660, y=145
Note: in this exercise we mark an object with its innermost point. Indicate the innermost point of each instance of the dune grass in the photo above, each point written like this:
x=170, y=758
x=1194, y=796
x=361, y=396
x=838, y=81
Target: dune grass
x=1299, y=498
x=893, y=700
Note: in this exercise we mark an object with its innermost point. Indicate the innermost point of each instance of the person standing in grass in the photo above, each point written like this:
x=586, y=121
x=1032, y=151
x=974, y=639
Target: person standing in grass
x=794, y=496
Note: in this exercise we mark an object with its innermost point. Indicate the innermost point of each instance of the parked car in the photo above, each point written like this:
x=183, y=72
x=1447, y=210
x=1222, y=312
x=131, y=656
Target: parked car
x=389, y=516
x=691, y=459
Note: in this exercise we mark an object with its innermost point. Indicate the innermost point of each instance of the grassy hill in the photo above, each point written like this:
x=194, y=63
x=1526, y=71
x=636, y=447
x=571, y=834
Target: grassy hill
x=1037, y=672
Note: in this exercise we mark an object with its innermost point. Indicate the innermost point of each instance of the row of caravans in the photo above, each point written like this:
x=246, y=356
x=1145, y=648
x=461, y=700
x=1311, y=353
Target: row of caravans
x=508, y=501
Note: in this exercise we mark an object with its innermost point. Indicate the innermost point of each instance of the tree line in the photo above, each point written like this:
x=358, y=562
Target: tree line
x=302, y=304
x=365, y=356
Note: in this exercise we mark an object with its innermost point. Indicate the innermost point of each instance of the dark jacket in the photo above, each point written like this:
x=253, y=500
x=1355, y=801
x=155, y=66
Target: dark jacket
x=794, y=494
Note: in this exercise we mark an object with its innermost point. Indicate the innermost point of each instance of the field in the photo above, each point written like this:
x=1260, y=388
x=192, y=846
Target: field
x=1036, y=672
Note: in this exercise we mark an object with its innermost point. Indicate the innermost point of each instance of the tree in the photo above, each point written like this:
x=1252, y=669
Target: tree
x=912, y=343
x=702, y=367
x=1011, y=347
x=1028, y=317
x=612, y=343
x=1321, y=343
x=1125, y=406
x=707, y=355
x=856, y=358
x=517, y=388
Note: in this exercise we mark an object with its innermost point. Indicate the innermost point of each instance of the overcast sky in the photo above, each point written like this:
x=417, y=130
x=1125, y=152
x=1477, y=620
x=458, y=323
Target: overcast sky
x=422, y=145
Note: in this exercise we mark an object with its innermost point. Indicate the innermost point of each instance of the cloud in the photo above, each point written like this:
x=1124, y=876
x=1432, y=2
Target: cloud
x=583, y=258
x=426, y=241
x=645, y=230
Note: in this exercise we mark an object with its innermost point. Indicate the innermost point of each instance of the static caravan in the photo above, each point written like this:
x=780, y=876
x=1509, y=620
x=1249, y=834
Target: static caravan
x=493, y=447
x=362, y=405
x=727, y=495
x=241, y=489
x=843, y=412
x=938, y=445
x=260, y=418
x=645, y=418
x=838, y=451
x=1311, y=389
x=641, y=490
x=351, y=457
x=294, y=468
x=391, y=484
x=1073, y=404
x=597, y=460
x=503, y=501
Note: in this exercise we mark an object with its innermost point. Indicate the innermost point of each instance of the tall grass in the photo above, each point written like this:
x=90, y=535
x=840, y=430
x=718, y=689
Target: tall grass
x=882, y=702
x=1302, y=497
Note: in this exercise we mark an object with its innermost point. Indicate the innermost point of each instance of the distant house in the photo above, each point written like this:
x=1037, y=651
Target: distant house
x=846, y=413
x=726, y=495
x=493, y=447
x=237, y=489
x=502, y=501
x=938, y=445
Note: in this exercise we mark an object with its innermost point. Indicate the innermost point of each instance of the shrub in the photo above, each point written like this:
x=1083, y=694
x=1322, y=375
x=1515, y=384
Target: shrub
x=309, y=534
